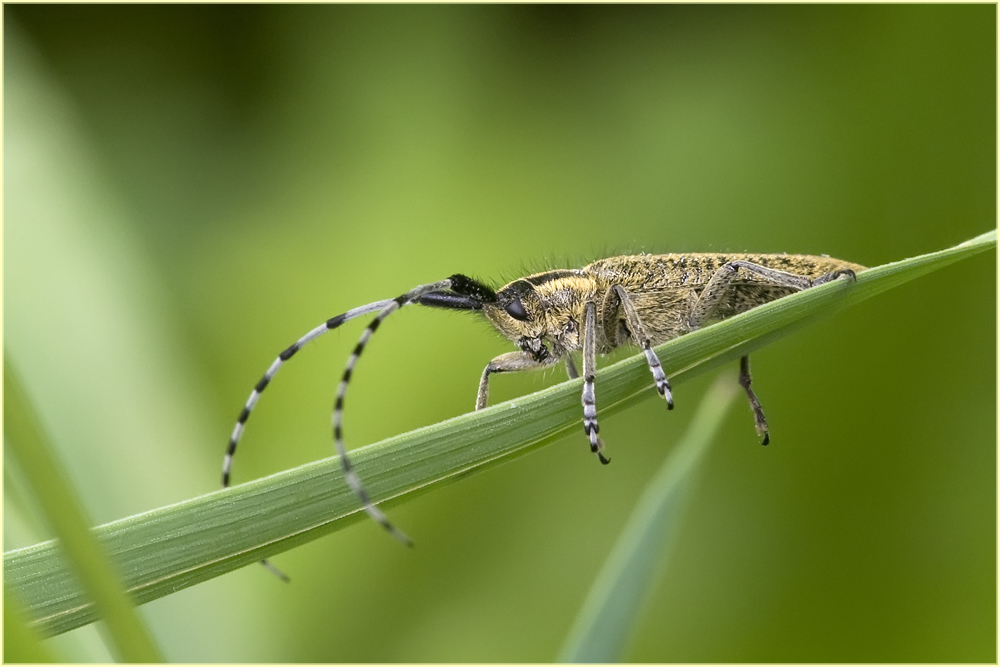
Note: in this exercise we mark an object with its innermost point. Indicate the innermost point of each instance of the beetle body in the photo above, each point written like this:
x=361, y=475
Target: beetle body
x=642, y=300
x=663, y=289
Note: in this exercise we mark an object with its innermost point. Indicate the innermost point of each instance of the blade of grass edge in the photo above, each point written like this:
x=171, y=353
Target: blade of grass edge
x=173, y=547
x=130, y=640
x=608, y=616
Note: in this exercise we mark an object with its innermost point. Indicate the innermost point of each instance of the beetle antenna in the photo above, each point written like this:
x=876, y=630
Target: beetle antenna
x=457, y=292
x=234, y=439
x=272, y=370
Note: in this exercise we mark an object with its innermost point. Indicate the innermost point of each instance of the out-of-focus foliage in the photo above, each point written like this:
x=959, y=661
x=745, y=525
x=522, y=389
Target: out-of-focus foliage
x=190, y=188
x=610, y=614
x=21, y=642
x=77, y=545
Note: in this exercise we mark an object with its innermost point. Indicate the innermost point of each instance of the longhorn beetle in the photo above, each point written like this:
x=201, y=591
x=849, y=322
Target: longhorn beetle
x=642, y=300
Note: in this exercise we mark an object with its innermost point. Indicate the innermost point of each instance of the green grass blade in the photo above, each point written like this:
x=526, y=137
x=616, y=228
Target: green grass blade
x=21, y=643
x=611, y=610
x=171, y=548
x=87, y=557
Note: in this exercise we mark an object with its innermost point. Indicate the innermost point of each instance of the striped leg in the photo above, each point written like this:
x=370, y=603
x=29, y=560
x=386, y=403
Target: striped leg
x=590, y=426
x=639, y=336
x=353, y=480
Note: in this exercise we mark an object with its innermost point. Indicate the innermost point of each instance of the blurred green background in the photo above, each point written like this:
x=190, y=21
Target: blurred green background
x=188, y=189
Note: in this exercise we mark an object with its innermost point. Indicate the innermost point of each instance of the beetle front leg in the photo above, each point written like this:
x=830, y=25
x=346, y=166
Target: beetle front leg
x=511, y=362
x=588, y=399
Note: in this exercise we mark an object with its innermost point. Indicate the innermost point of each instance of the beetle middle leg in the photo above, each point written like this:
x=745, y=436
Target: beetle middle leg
x=639, y=336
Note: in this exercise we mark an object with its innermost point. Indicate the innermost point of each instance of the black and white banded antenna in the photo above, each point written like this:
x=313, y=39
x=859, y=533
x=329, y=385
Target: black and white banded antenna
x=455, y=293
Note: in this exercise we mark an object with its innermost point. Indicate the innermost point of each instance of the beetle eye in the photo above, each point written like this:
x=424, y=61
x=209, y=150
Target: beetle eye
x=516, y=310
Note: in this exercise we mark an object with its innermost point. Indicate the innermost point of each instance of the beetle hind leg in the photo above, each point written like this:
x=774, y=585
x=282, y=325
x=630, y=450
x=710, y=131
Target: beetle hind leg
x=760, y=421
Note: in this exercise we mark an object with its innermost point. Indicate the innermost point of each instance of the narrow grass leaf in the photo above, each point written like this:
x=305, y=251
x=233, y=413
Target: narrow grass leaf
x=608, y=616
x=173, y=547
x=86, y=557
